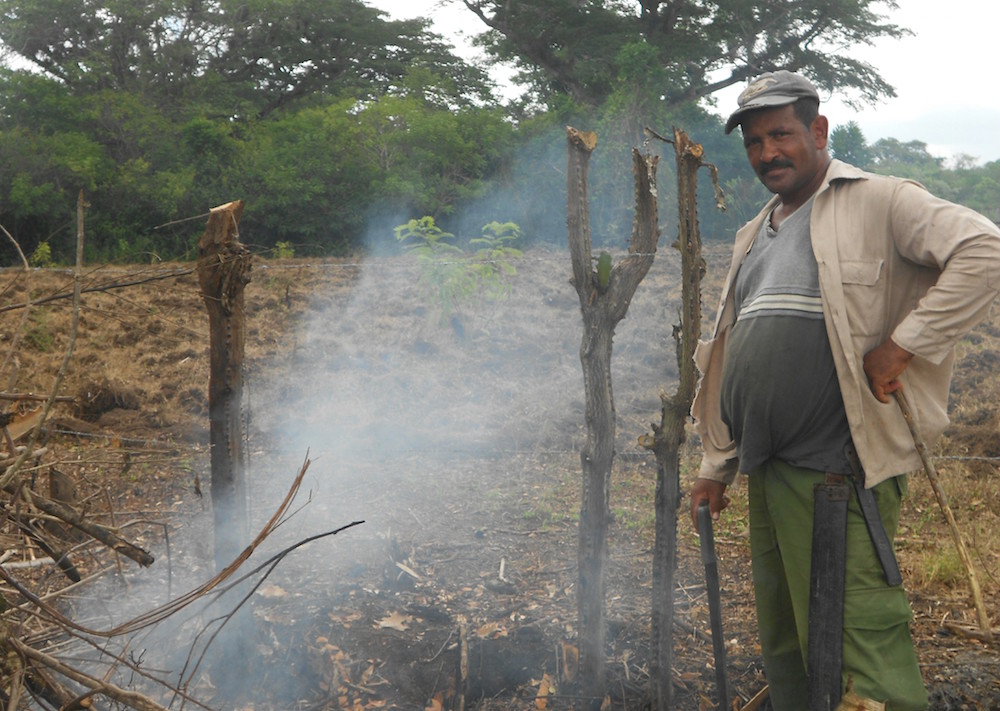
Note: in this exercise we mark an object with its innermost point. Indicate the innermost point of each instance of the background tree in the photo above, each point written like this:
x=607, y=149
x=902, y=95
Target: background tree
x=234, y=56
x=160, y=110
x=849, y=145
x=574, y=47
x=353, y=123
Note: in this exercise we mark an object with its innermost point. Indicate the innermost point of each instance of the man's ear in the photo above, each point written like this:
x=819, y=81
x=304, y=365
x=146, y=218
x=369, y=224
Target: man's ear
x=820, y=130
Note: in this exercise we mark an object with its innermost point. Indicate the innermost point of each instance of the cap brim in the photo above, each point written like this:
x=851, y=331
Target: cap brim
x=764, y=102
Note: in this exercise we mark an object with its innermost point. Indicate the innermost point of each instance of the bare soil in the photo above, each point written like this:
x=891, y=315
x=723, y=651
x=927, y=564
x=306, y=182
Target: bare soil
x=455, y=436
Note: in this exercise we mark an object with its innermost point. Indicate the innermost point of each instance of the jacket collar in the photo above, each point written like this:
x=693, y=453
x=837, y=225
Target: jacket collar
x=839, y=170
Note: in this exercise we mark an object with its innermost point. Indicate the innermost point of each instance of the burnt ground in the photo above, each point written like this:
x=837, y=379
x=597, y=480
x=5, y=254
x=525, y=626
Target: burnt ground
x=455, y=437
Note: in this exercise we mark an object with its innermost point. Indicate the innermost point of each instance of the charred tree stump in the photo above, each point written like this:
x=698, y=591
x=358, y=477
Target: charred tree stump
x=605, y=295
x=223, y=272
x=669, y=435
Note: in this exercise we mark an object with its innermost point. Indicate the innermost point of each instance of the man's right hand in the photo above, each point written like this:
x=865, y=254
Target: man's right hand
x=714, y=492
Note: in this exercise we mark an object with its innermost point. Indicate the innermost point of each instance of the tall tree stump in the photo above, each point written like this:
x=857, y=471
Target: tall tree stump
x=223, y=272
x=605, y=295
x=669, y=435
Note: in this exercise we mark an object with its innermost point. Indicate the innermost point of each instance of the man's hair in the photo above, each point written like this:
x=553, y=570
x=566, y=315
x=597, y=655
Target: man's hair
x=806, y=110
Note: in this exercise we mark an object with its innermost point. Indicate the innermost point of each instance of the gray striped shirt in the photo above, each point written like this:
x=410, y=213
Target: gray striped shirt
x=780, y=395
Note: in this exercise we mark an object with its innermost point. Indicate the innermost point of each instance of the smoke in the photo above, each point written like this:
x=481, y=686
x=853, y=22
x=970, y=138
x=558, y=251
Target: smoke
x=382, y=373
x=419, y=421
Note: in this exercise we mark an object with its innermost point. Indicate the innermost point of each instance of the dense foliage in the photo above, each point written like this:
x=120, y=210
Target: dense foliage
x=313, y=111
x=581, y=47
x=335, y=123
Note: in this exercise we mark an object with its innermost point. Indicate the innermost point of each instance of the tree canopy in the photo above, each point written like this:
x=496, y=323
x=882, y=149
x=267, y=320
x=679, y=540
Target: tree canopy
x=577, y=47
x=161, y=109
x=333, y=122
x=241, y=57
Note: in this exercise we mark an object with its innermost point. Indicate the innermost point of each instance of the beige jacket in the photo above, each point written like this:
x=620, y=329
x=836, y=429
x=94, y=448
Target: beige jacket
x=893, y=261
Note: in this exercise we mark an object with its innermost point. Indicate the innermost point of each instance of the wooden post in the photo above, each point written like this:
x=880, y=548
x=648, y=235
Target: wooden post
x=223, y=272
x=668, y=437
x=605, y=295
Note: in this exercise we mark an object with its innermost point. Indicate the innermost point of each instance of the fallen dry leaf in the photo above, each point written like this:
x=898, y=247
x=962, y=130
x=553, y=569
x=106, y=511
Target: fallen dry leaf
x=272, y=591
x=545, y=687
x=366, y=675
x=491, y=630
x=396, y=621
x=345, y=618
x=21, y=424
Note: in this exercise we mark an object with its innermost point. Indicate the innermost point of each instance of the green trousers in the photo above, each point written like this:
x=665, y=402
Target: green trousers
x=878, y=650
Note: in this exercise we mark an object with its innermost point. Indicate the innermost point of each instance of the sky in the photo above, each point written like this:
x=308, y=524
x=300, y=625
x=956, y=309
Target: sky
x=946, y=96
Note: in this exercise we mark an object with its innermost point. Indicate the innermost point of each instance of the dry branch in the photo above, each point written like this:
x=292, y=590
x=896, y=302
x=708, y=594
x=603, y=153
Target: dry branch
x=161, y=613
x=74, y=518
x=982, y=617
x=21, y=397
x=132, y=699
x=42, y=683
x=33, y=659
x=604, y=300
x=985, y=636
x=99, y=288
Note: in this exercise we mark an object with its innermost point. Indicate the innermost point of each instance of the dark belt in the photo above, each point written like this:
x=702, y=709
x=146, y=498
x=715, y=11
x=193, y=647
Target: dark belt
x=873, y=521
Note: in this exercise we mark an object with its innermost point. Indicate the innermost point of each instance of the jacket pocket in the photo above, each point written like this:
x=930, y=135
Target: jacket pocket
x=861, y=273
x=864, y=296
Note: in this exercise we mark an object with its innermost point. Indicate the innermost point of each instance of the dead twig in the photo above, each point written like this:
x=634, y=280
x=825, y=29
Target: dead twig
x=132, y=699
x=164, y=611
x=971, y=633
x=75, y=519
x=20, y=397
x=266, y=567
x=219, y=585
x=942, y=499
x=99, y=288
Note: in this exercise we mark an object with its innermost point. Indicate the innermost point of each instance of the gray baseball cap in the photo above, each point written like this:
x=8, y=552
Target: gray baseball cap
x=769, y=91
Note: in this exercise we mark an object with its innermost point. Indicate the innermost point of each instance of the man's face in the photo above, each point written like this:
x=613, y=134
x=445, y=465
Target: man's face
x=788, y=157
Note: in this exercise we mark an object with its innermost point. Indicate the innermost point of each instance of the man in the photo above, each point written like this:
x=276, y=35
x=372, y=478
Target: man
x=846, y=288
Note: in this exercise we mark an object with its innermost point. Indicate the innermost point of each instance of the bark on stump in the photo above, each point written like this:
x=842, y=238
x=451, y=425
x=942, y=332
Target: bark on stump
x=668, y=437
x=223, y=272
x=604, y=301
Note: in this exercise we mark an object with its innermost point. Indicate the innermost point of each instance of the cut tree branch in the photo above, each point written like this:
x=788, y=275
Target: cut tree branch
x=99, y=288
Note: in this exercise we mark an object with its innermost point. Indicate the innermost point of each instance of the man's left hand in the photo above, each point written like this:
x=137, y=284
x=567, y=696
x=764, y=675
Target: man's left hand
x=883, y=366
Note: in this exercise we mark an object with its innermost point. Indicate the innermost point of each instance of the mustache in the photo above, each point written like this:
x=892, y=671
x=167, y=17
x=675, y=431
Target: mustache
x=765, y=168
